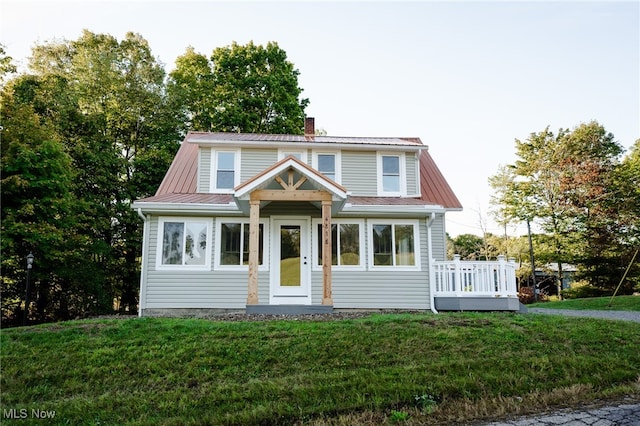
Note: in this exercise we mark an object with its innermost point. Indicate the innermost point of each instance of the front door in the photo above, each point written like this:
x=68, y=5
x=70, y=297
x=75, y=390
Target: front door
x=291, y=262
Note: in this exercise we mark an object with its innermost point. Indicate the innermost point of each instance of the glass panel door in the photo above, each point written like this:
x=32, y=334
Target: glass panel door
x=291, y=264
x=290, y=256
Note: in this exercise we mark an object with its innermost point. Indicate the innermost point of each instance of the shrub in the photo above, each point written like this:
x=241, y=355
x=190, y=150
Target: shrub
x=582, y=289
x=527, y=296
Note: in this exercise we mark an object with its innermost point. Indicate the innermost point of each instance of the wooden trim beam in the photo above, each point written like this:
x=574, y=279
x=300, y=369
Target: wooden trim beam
x=290, y=195
x=254, y=241
x=327, y=297
x=282, y=183
x=298, y=184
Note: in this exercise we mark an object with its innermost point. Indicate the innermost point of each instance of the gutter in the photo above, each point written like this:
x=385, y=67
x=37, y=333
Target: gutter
x=181, y=208
x=142, y=301
x=419, y=209
x=432, y=275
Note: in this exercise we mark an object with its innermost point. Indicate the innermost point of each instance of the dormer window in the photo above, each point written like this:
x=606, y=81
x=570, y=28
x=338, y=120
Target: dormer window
x=391, y=178
x=328, y=163
x=300, y=155
x=226, y=166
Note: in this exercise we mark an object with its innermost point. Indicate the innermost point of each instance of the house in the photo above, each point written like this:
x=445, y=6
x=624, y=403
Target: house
x=547, y=277
x=299, y=223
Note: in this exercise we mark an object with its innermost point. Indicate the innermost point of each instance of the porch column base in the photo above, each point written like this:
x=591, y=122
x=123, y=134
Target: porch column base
x=254, y=216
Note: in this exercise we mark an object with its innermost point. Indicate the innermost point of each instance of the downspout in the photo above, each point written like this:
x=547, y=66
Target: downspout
x=142, y=297
x=432, y=276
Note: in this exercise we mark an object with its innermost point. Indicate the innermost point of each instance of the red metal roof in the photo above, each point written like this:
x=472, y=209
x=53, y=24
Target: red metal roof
x=182, y=176
x=197, y=198
x=434, y=187
x=180, y=183
x=201, y=137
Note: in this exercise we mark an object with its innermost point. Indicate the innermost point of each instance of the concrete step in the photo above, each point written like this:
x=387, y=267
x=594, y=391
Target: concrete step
x=289, y=309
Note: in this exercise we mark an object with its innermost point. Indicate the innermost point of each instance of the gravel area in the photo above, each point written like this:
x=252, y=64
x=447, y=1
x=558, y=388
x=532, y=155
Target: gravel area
x=241, y=316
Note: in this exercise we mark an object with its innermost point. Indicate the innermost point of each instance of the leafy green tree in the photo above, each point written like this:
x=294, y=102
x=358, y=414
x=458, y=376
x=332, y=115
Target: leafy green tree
x=468, y=246
x=565, y=183
x=107, y=102
x=591, y=156
x=37, y=208
x=244, y=88
x=190, y=88
x=627, y=186
x=6, y=64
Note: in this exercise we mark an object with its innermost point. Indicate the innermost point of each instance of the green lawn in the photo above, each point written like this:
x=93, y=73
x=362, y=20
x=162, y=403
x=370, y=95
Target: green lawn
x=425, y=368
x=619, y=303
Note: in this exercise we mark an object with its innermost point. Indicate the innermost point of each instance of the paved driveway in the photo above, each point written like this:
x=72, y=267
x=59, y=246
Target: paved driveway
x=614, y=315
x=618, y=415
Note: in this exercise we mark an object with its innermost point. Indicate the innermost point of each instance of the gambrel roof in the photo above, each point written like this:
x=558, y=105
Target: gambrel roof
x=180, y=183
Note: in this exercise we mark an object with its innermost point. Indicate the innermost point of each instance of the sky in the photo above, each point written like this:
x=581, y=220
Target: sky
x=467, y=77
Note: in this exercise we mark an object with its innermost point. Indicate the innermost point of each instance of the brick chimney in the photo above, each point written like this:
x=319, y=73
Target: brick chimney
x=309, y=126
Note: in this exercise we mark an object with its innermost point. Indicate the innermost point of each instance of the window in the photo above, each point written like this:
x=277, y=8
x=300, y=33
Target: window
x=328, y=163
x=225, y=173
x=232, y=241
x=184, y=243
x=347, y=242
x=300, y=155
x=394, y=244
x=391, y=179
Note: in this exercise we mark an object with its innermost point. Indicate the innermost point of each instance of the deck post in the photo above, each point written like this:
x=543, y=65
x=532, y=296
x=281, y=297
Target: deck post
x=502, y=275
x=254, y=241
x=457, y=275
x=327, y=297
x=512, y=286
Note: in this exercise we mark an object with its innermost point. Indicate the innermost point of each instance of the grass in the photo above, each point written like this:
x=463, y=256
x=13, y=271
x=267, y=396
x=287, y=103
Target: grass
x=619, y=303
x=436, y=369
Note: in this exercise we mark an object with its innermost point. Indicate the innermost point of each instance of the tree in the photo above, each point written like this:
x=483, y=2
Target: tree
x=190, y=88
x=564, y=183
x=37, y=206
x=6, y=64
x=468, y=246
x=591, y=156
x=106, y=101
x=627, y=186
x=244, y=88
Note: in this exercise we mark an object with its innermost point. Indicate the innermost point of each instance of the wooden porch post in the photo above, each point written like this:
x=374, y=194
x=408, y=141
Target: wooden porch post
x=327, y=298
x=254, y=230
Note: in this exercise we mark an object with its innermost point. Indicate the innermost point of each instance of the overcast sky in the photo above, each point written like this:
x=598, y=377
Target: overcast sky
x=468, y=78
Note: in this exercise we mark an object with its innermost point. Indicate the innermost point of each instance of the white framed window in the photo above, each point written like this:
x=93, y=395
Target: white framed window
x=391, y=174
x=225, y=173
x=347, y=244
x=232, y=243
x=184, y=243
x=329, y=164
x=300, y=154
x=394, y=244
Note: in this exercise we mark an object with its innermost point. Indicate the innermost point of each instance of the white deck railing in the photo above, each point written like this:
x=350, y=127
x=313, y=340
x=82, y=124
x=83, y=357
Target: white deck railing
x=475, y=278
